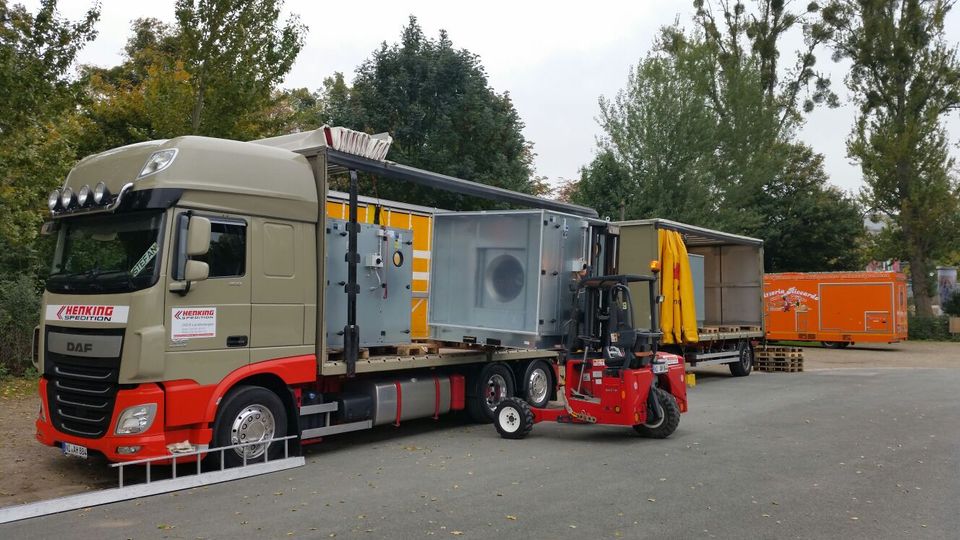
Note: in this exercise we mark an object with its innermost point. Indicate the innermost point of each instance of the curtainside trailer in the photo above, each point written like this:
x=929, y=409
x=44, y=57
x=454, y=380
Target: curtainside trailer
x=726, y=277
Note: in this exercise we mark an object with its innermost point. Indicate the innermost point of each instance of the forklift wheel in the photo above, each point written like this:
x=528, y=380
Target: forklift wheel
x=514, y=419
x=669, y=419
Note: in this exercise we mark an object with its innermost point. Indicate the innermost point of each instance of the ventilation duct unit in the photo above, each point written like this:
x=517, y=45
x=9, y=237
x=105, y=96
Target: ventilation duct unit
x=503, y=278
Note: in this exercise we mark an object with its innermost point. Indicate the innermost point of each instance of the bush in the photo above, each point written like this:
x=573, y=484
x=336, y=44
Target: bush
x=930, y=329
x=19, y=314
x=952, y=305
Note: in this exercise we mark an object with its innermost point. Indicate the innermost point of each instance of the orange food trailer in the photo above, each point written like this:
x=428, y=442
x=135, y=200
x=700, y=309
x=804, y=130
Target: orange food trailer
x=836, y=308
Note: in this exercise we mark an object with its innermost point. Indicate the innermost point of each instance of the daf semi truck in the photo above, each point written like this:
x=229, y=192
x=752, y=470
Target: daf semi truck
x=200, y=296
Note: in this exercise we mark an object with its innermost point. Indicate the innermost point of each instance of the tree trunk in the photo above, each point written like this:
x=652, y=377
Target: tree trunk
x=919, y=280
x=197, y=110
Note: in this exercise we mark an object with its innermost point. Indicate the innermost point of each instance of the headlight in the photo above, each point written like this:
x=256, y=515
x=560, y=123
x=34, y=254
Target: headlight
x=53, y=200
x=85, y=196
x=157, y=162
x=67, y=198
x=136, y=419
x=100, y=193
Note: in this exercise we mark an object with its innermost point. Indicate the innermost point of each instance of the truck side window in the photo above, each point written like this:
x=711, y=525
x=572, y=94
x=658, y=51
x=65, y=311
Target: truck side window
x=228, y=250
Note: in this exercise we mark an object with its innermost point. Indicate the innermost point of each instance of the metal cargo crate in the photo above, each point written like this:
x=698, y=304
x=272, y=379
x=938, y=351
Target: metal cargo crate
x=503, y=278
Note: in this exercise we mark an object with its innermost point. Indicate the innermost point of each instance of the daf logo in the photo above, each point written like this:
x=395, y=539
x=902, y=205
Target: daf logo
x=79, y=346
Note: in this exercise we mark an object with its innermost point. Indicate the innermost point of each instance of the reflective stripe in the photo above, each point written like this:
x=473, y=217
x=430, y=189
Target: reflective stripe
x=421, y=254
x=425, y=276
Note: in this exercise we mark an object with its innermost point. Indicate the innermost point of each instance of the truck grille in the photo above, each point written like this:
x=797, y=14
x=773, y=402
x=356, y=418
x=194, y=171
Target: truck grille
x=81, y=391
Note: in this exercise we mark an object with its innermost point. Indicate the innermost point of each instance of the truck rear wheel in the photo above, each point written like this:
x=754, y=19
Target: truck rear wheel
x=836, y=344
x=514, y=419
x=669, y=417
x=492, y=385
x=743, y=366
x=249, y=414
x=538, y=383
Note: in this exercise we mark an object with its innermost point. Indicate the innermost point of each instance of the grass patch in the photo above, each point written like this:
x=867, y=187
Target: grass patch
x=17, y=388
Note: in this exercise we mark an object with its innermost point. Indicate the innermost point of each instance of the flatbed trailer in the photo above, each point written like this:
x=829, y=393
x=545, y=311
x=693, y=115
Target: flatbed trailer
x=729, y=289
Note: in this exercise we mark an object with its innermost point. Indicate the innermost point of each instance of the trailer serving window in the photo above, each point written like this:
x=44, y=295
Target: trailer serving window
x=107, y=253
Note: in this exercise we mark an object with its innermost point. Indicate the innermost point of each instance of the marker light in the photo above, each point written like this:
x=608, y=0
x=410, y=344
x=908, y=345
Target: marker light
x=157, y=162
x=101, y=194
x=654, y=266
x=53, y=200
x=85, y=196
x=67, y=199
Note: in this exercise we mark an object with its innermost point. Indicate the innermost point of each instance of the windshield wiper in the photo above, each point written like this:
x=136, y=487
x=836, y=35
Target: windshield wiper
x=124, y=273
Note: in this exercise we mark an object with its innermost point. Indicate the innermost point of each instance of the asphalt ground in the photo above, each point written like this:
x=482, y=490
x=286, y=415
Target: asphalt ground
x=830, y=453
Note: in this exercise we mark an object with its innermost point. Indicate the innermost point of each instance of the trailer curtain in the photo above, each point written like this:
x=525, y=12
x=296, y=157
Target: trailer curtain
x=678, y=314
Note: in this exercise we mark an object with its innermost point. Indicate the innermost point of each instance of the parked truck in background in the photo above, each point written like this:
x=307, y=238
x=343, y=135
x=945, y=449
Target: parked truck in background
x=727, y=275
x=836, y=308
x=201, y=295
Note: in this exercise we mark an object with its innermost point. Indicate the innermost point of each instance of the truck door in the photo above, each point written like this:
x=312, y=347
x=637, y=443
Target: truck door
x=208, y=328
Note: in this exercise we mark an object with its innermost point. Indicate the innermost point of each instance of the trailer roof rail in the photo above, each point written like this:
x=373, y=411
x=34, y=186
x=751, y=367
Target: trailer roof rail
x=694, y=235
x=389, y=169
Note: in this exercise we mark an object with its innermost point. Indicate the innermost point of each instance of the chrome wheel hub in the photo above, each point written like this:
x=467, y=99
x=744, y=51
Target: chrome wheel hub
x=255, y=423
x=537, y=386
x=496, y=391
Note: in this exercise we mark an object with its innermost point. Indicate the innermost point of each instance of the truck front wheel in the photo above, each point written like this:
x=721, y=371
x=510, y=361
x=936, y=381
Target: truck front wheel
x=250, y=415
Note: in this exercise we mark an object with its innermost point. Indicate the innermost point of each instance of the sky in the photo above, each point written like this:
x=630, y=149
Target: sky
x=554, y=58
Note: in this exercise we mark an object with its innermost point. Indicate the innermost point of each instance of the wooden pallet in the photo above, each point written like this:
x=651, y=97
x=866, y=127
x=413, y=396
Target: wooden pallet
x=403, y=349
x=772, y=348
x=451, y=344
x=784, y=368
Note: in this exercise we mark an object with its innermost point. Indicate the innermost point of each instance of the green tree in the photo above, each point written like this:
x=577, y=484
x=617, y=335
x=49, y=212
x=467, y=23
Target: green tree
x=435, y=101
x=36, y=50
x=905, y=77
x=213, y=72
x=36, y=101
x=655, y=158
x=810, y=225
x=236, y=52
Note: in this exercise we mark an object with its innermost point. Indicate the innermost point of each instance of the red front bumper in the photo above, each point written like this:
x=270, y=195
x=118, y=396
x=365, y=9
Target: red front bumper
x=153, y=442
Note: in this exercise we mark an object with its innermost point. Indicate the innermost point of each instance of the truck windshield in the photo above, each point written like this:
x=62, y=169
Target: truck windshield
x=107, y=254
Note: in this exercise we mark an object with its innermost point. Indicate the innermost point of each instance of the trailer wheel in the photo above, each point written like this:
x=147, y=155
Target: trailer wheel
x=669, y=417
x=493, y=384
x=743, y=366
x=538, y=383
x=836, y=344
x=249, y=414
x=514, y=419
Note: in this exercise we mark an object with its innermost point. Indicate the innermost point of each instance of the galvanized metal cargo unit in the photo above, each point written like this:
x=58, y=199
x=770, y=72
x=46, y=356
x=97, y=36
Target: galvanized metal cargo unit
x=503, y=278
x=385, y=276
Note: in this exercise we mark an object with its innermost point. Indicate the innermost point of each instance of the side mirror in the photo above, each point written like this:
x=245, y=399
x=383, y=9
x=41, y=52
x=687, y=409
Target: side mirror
x=196, y=271
x=198, y=239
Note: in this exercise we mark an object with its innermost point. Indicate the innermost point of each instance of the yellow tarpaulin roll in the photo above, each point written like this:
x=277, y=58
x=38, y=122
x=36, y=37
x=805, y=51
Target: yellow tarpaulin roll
x=678, y=314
